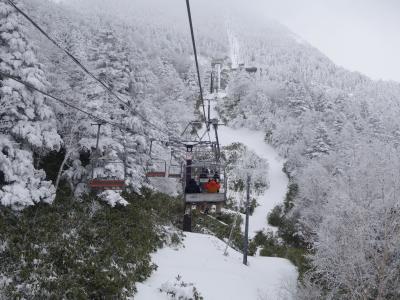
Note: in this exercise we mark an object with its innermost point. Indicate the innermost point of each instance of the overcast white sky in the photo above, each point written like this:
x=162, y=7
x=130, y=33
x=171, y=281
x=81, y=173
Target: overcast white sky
x=360, y=35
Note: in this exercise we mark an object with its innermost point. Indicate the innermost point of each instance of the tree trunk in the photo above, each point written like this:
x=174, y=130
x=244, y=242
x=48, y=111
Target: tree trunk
x=67, y=154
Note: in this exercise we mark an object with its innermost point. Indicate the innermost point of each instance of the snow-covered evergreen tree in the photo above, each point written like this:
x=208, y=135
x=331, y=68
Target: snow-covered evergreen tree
x=33, y=129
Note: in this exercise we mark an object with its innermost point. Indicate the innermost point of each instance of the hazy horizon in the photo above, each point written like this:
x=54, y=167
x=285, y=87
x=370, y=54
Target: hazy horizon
x=360, y=35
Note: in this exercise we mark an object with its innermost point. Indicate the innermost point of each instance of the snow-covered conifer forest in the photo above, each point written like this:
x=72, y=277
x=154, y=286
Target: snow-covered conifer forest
x=332, y=216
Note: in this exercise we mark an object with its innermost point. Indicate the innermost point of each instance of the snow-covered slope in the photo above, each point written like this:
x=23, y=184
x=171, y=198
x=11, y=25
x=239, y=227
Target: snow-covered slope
x=201, y=262
x=254, y=140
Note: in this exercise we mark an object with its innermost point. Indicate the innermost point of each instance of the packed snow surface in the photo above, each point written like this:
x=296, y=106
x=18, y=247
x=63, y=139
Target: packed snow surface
x=276, y=193
x=201, y=262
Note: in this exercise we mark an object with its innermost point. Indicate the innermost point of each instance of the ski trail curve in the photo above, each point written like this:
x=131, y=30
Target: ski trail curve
x=278, y=180
x=216, y=276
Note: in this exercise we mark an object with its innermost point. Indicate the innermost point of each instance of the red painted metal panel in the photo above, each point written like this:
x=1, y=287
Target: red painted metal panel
x=155, y=174
x=107, y=184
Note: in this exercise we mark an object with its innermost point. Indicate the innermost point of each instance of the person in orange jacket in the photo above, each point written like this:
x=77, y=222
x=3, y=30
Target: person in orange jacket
x=212, y=186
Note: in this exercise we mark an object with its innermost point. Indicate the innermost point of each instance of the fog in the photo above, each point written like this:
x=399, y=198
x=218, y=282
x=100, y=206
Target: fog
x=360, y=35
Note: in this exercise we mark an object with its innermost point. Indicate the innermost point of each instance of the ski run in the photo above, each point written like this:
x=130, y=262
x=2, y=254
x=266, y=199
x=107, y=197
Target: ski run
x=200, y=260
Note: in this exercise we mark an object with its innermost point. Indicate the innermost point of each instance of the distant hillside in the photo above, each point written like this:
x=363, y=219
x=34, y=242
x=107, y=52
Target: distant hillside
x=339, y=131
